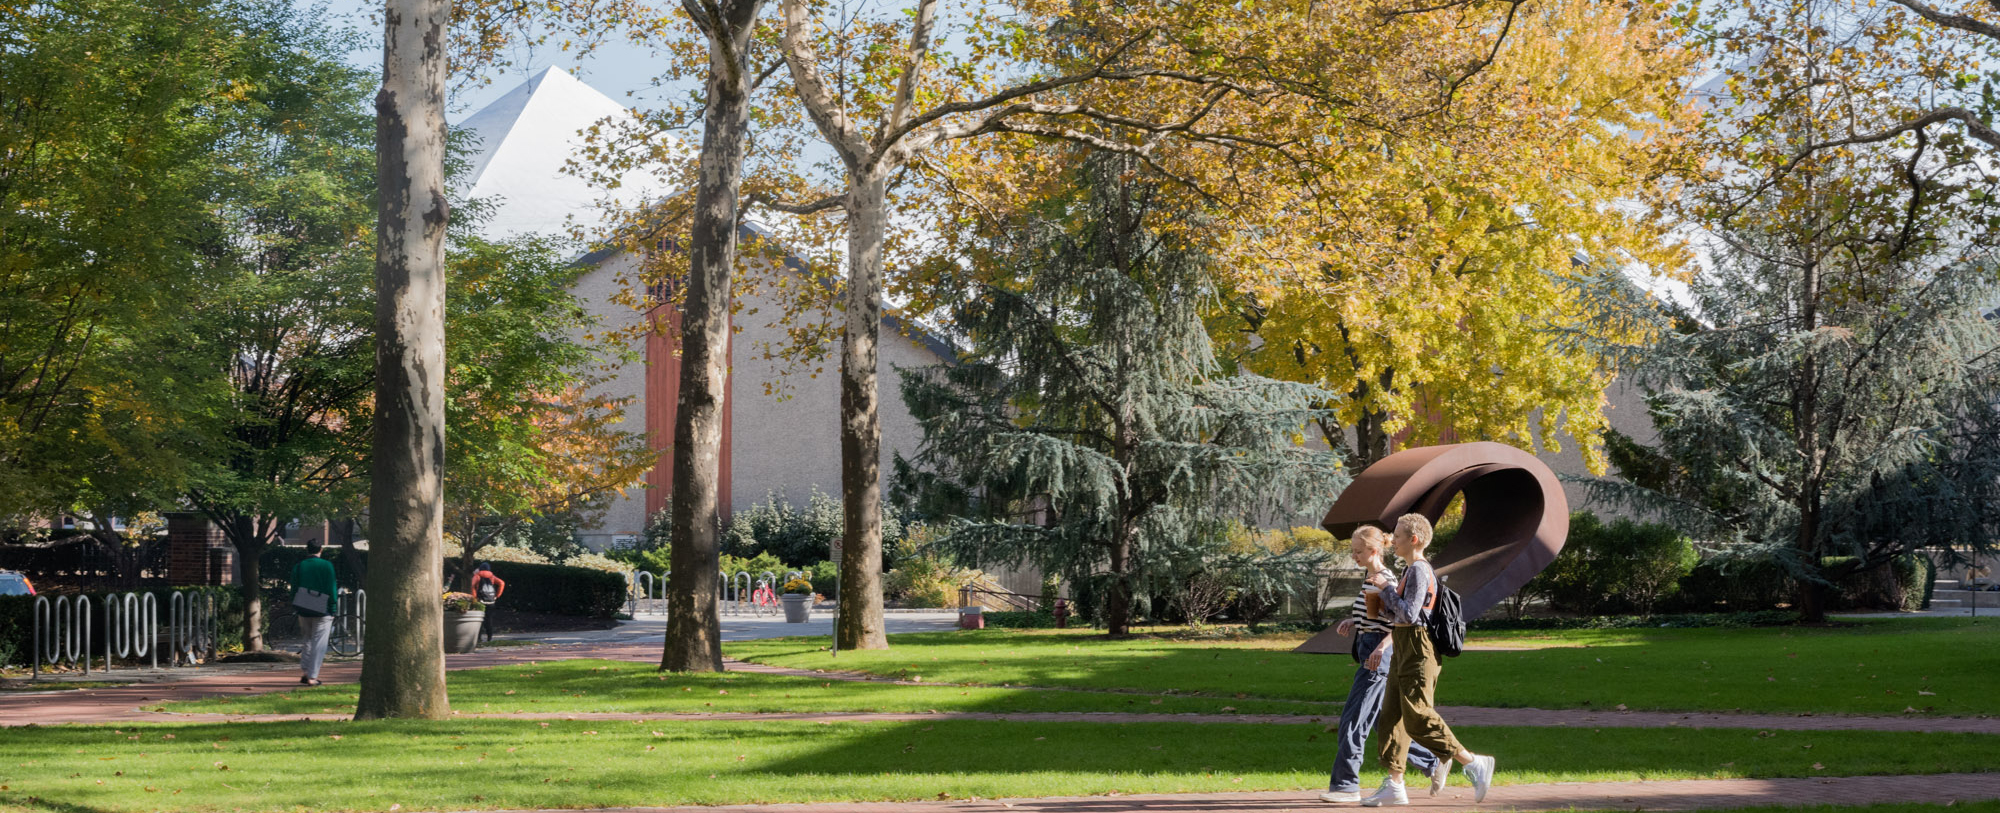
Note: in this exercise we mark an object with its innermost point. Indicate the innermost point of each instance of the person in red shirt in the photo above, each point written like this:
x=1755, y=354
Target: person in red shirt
x=487, y=589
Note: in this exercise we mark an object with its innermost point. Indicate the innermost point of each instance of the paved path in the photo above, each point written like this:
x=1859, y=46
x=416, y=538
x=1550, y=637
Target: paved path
x=1697, y=794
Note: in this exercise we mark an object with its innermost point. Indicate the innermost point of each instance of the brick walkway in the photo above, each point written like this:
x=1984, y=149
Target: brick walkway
x=1698, y=794
x=122, y=703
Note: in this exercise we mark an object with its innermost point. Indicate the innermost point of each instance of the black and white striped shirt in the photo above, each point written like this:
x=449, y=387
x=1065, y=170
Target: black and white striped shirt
x=1359, y=609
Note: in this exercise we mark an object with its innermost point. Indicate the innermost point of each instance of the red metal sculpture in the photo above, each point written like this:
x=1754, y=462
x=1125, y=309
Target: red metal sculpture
x=1516, y=517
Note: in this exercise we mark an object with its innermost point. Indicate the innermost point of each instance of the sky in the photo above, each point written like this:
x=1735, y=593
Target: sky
x=616, y=68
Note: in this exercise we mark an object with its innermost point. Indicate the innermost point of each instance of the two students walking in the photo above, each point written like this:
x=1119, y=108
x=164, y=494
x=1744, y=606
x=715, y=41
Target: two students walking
x=1397, y=681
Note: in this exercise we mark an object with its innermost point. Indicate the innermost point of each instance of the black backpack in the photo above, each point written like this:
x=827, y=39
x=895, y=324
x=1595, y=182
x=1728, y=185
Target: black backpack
x=1447, y=625
x=490, y=592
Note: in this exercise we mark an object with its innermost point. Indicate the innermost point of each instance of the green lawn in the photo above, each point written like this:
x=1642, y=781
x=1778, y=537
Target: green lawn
x=620, y=686
x=1937, y=666
x=492, y=764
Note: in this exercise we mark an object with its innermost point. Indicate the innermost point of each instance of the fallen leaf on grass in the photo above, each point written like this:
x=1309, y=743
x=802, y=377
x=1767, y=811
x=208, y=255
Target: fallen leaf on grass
x=1926, y=694
x=1818, y=767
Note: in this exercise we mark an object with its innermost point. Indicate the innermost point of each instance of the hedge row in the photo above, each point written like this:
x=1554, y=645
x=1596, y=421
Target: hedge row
x=1020, y=619
x=560, y=590
x=1761, y=618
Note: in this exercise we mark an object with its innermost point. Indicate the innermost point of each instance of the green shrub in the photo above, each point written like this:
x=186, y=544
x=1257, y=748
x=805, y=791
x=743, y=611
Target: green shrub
x=1020, y=619
x=803, y=536
x=560, y=590
x=757, y=566
x=1761, y=618
x=924, y=580
x=1734, y=584
x=1625, y=565
x=825, y=578
x=16, y=629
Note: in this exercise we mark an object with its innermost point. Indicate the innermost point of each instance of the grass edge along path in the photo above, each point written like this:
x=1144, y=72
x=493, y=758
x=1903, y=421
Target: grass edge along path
x=474, y=764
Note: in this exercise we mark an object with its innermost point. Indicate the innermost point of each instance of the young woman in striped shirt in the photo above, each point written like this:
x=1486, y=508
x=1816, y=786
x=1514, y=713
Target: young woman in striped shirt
x=1369, y=625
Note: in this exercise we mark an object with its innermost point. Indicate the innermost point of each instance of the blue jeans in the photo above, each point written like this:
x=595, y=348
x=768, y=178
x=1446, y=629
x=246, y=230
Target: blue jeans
x=1357, y=718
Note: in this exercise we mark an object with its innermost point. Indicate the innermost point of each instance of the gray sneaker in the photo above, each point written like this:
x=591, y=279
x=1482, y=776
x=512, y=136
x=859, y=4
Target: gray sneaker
x=1480, y=771
x=1438, y=774
x=1390, y=794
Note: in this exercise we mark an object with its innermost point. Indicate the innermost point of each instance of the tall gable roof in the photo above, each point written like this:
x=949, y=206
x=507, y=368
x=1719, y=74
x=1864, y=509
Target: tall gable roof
x=521, y=143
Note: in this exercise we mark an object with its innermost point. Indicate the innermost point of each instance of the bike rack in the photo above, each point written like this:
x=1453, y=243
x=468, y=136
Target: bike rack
x=744, y=587
x=354, y=603
x=191, y=626
x=642, y=589
x=62, y=632
x=131, y=628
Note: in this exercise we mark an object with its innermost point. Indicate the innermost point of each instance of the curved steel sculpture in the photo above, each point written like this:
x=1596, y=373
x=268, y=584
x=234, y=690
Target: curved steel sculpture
x=1516, y=517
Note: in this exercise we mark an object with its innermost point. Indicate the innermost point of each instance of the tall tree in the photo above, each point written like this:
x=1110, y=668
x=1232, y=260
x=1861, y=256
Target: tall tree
x=1091, y=386
x=117, y=135
x=1827, y=392
x=694, y=626
x=404, y=675
x=881, y=93
x=1438, y=309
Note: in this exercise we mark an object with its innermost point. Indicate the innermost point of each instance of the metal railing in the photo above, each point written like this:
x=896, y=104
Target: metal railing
x=1002, y=599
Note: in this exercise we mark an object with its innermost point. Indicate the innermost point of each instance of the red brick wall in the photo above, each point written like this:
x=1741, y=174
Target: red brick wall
x=197, y=552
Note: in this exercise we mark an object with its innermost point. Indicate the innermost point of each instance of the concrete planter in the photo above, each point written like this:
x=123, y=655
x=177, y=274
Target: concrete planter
x=798, y=608
x=461, y=630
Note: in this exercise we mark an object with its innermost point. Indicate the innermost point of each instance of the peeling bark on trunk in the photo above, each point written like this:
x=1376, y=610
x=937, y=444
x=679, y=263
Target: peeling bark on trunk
x=694, y=622
x=403, y=675
x=861, y=624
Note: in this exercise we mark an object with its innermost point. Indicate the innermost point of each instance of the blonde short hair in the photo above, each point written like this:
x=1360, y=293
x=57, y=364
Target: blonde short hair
x=1368, y=538
x=1416, y=527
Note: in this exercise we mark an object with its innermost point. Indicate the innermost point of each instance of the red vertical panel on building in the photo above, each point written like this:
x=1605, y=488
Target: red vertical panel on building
x=663, y=377
x=663, y=386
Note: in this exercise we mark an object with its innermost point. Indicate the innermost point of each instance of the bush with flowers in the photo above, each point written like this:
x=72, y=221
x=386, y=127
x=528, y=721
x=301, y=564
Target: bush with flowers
x=798, y=586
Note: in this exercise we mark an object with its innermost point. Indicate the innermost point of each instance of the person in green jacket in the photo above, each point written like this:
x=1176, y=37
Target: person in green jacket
x=313, y=594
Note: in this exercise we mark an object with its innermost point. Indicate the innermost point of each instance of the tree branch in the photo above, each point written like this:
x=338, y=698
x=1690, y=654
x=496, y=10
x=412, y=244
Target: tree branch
x=820, y=103
x=1958, y=21
x=913, y=66
x=815, y=207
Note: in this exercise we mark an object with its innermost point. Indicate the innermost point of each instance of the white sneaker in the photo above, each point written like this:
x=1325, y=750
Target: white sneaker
x=1439, y=773
x=1341, y=796
x=1389, y=795
x=1480, y=771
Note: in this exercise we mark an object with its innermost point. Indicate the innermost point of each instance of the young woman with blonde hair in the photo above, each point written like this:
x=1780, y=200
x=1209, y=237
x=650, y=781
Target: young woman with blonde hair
x=1409, y=713
x=1370, y=629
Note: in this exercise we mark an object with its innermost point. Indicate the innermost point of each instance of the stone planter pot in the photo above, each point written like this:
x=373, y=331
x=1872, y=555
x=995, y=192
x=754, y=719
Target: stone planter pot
x=798, y=608
x=461, y=630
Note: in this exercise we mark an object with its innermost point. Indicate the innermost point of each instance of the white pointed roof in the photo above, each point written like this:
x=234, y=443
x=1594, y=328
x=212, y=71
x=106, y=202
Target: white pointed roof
x=521, y=143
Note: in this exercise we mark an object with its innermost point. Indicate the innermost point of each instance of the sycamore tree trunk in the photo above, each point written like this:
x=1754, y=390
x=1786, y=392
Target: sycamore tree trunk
x=861, y=625
x=403, y=675
x=694, y=623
